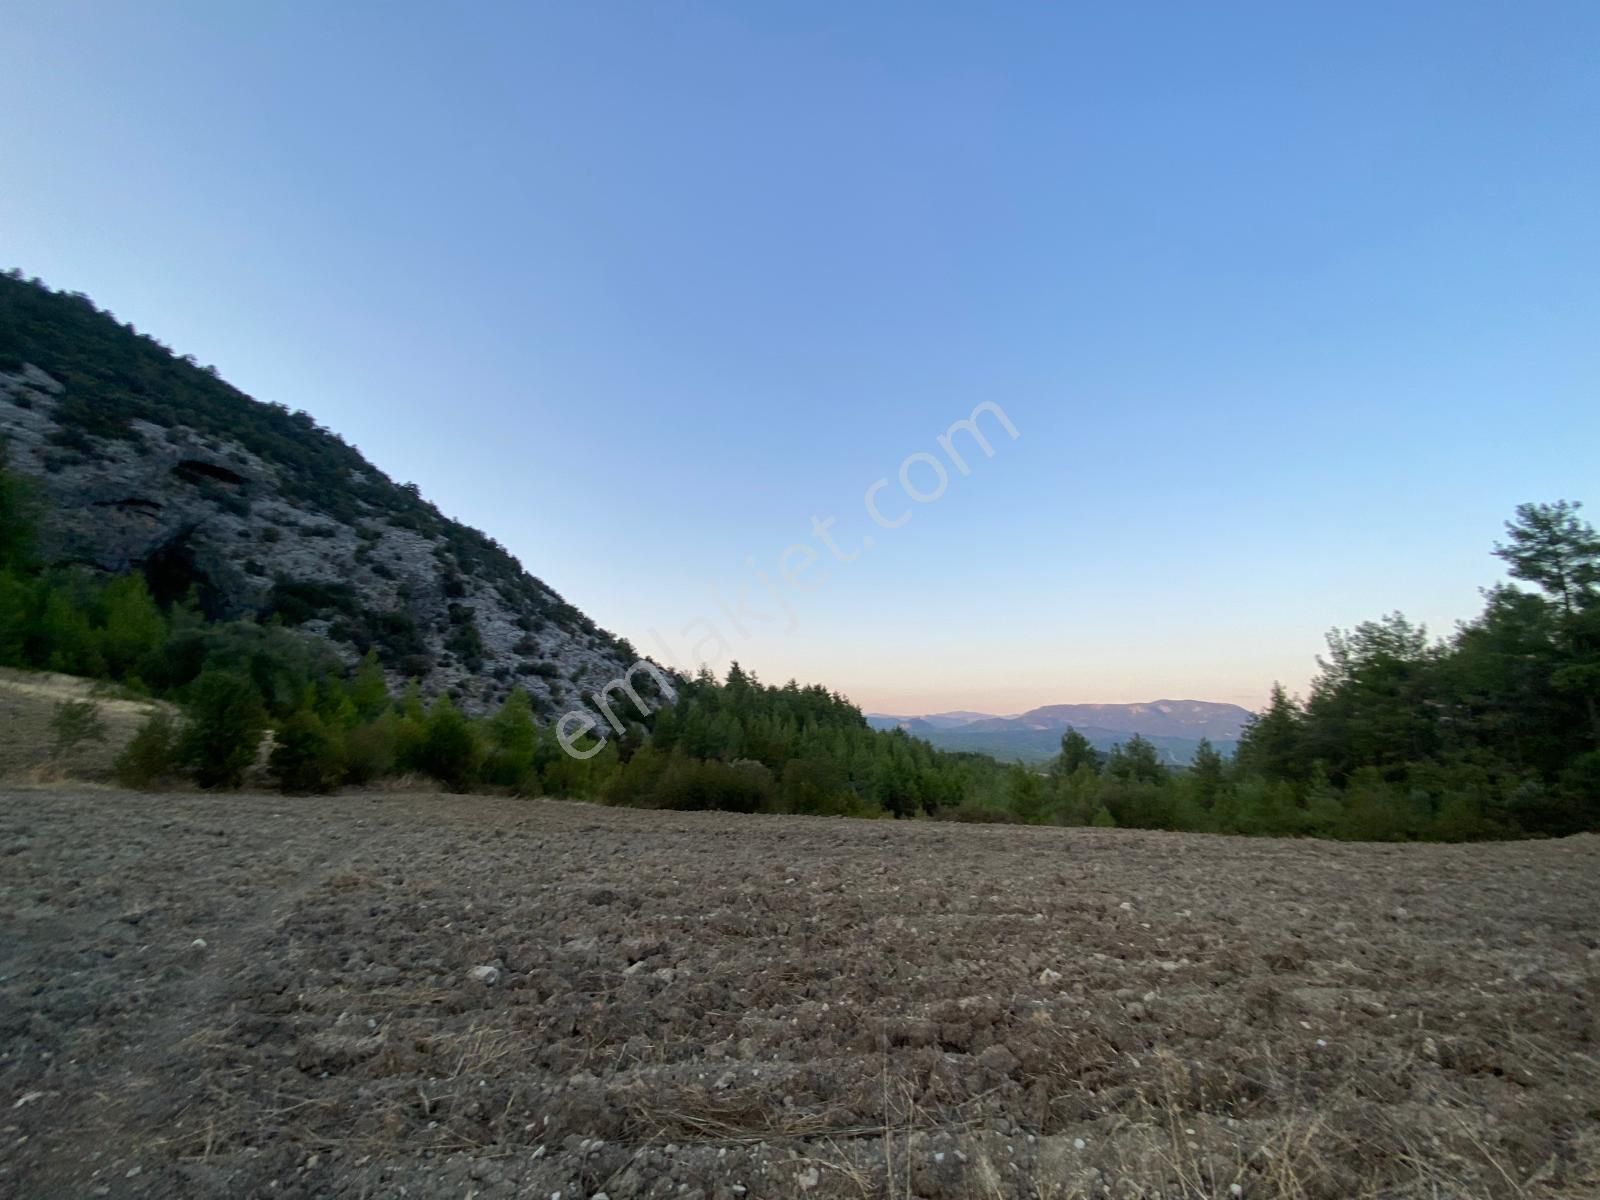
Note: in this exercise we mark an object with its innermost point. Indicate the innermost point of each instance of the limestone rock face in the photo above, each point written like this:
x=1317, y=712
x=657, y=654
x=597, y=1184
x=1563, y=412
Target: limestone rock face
x=364, y=565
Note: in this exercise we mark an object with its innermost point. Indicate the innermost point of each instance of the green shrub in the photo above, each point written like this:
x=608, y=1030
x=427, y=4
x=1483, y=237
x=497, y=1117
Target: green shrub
x=69, y=437
x=370, y=750
x=1461, y=819
x=395, y=637
x=466, y=644
x=512, y=739
x=299, y=600
x=415, y=666
x=73, y=723
x=279, y=663
x=634, y=783
x=703, y=784
x=308, y=756
x=152, y=755
x=225, y=722
x=449, y=751
x=1138, y=803
x=1580, y=791
x=816, y=785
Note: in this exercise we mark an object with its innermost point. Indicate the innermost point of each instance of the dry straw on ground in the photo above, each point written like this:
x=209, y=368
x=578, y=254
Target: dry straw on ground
x=820, y=1008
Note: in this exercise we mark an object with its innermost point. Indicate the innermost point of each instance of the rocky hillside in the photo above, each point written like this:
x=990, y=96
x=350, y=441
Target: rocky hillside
x=152, y=463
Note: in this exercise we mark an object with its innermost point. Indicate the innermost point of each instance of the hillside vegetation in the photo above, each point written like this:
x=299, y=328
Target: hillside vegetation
x=1492, y=733
x=151, y=464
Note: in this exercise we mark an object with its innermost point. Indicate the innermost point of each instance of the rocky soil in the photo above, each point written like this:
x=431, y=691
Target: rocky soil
x=417, y=995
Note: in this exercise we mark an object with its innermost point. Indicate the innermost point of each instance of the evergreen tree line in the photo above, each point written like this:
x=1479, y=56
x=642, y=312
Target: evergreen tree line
x=733, y=745
x=1491, y=733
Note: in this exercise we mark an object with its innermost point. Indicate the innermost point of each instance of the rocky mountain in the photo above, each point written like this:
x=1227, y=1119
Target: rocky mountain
x=152, y=463
x=1158, y=718
x=944, y=720
x=1175, y=727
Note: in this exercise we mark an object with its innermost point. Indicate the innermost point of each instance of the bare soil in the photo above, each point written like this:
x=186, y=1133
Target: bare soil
x=714, y=1006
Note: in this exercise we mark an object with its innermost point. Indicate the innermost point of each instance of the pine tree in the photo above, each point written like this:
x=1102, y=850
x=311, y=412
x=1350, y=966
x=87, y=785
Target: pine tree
x=1076, y=752
x=368, y=690
x=132, y=629
x=307, y=756
x=1208, y=771
x=449, y=751
x=1552, y=547
x=512, y=737
x=223, y=735
x=1270, y=744
x=1136, y=761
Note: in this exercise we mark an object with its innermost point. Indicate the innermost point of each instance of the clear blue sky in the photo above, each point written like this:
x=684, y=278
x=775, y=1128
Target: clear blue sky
x=1289, y=308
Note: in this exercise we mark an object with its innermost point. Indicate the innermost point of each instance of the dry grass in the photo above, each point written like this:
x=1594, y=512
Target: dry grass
x=743, y=1115
x=809, y=1008
x=28, y=701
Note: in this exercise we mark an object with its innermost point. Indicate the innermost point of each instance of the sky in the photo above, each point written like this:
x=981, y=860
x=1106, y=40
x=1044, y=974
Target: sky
x=1288, y=308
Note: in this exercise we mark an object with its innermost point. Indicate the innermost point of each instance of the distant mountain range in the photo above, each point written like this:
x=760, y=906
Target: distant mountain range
x=1174, y=727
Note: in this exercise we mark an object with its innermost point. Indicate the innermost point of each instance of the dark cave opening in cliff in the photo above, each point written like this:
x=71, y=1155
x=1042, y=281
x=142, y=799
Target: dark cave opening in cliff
x=172, y=575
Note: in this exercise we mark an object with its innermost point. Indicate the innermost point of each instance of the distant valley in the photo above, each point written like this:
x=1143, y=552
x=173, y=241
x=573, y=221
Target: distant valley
x=1174, y=727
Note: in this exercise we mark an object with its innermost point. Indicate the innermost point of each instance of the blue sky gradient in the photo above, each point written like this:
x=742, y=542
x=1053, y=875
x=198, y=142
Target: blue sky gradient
x=1289, y=309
